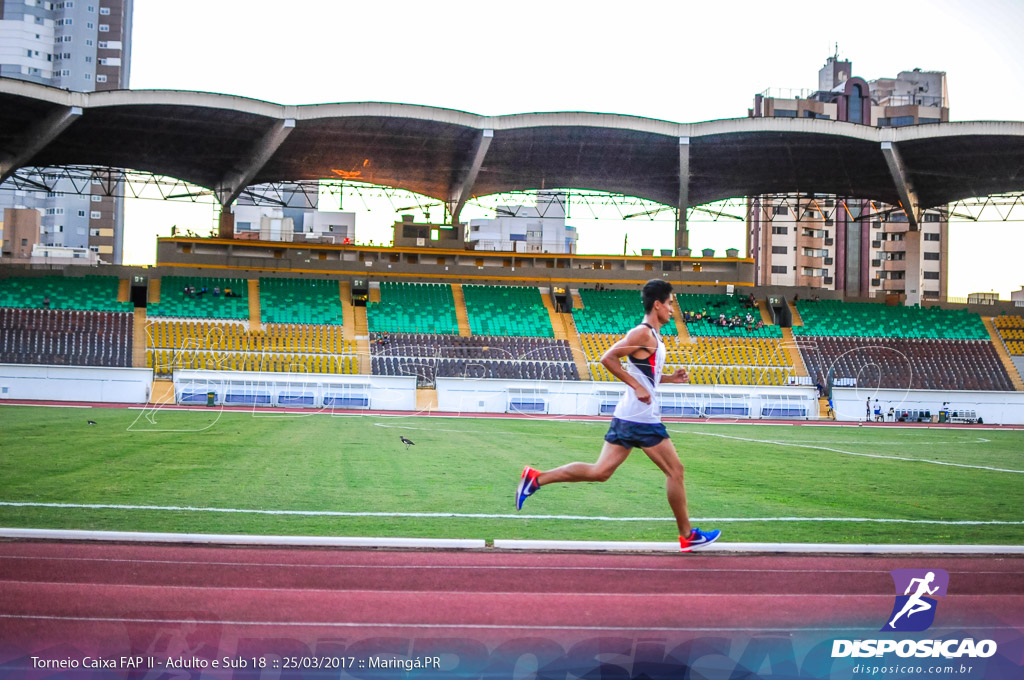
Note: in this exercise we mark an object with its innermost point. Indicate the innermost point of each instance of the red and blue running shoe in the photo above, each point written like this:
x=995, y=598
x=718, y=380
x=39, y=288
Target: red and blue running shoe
x=527, y=486
x=697, y=540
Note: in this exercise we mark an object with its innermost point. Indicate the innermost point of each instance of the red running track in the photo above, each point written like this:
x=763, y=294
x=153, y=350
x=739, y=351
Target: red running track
x=60, y=599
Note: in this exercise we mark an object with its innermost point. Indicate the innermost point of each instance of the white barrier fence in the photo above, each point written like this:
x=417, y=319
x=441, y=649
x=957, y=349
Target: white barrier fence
x=993, y=408
x=75, y=383
x=296, y=390
x=464, y=395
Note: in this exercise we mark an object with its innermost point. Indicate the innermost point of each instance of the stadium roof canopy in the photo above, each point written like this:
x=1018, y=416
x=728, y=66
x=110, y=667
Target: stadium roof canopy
x=226, y=143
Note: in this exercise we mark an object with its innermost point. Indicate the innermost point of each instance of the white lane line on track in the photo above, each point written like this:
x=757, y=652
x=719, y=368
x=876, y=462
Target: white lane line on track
x=849, y=453
x=463, y=515
x=482, y=593
x=493, y=567
x=472, y=626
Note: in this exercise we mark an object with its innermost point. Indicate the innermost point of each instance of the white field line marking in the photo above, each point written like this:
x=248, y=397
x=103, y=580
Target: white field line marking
x=850, y=453
x=461, y=515
x=978, y=440
x=68, y=405
x=492, y=567
x=442, y=626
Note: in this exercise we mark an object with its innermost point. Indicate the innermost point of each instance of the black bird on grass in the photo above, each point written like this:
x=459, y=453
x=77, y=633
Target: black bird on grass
x=91, y=422
x=407, y=442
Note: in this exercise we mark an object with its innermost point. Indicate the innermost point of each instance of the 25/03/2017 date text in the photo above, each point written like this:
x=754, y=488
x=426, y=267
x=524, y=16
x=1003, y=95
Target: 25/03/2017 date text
x=258, y=662
x=341, y=662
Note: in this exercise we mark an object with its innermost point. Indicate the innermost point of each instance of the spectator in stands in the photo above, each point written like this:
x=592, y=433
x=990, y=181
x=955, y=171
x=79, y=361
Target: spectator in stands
x=636, y=422
x=216, y=291
x=46, y=302
x=820, y=387
x=892, y=414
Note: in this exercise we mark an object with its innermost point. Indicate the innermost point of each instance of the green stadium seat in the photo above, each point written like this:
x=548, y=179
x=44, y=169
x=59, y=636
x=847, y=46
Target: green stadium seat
x=88, y=293
x=714, y=306
x=413, y=308
x=507, y=310
x=302, y=301
x=864, y=319
x=174, y=302
x=612, y=311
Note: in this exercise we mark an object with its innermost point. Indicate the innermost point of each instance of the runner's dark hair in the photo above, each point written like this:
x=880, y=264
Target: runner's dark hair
x=655, y=290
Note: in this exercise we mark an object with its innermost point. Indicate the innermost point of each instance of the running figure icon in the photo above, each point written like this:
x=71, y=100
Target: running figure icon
x=916, y=604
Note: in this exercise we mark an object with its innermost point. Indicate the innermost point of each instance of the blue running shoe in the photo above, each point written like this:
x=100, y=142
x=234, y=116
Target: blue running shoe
x=697, y=540
x=527, y=486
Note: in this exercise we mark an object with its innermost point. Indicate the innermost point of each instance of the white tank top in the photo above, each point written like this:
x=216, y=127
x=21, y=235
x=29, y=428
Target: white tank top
x=648, y=373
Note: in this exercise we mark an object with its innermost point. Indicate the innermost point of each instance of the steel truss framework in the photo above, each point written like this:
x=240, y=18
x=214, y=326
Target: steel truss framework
x=578, y=204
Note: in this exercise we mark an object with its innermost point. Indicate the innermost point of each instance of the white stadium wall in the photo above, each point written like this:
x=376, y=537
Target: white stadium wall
x=469, y=396
x=994, y=408
x=292, y=390
x=584, y=398
x=75, y=383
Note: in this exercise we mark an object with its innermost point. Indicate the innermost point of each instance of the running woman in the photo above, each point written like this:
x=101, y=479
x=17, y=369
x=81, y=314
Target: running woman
x=636, y=422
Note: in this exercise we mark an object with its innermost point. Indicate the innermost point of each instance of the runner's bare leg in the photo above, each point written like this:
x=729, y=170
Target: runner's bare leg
x=665, y=457
x=612, y=456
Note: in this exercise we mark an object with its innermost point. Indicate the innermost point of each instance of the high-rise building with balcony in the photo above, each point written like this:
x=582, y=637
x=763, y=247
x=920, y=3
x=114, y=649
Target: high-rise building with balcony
x=80, y=45
x=848, y=243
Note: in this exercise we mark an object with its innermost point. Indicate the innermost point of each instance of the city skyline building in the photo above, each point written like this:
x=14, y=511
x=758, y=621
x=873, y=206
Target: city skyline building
x=84, y=46
x=860, y=247
x=540, y=228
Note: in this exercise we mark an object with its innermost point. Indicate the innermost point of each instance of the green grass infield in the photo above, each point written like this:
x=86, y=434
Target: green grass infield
x=190, y=471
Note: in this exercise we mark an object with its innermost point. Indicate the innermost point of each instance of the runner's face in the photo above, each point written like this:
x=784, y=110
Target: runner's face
x=663, y=310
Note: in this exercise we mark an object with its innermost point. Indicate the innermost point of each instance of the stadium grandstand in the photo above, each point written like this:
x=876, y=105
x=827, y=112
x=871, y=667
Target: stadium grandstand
x=237, y=337
x=430, y=322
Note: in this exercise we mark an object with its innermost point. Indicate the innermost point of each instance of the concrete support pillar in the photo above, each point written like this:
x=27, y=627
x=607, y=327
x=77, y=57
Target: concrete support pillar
x=682, y=235
x=35, y=139
x=226, y=227
x=904, y=188
x=914, y=278
x=461, y=191
x=231, y=185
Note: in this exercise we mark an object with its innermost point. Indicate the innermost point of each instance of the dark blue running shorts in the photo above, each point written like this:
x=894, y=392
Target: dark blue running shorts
x=635, y=435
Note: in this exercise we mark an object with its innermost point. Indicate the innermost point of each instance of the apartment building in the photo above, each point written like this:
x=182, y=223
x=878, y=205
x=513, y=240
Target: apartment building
x=849, y=243
x=85, y=46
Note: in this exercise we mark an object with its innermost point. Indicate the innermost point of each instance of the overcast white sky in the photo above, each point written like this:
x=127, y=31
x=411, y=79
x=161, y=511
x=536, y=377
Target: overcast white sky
x=678, y=61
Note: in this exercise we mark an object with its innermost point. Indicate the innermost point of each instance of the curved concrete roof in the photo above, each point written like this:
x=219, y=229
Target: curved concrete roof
x=225, y=142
